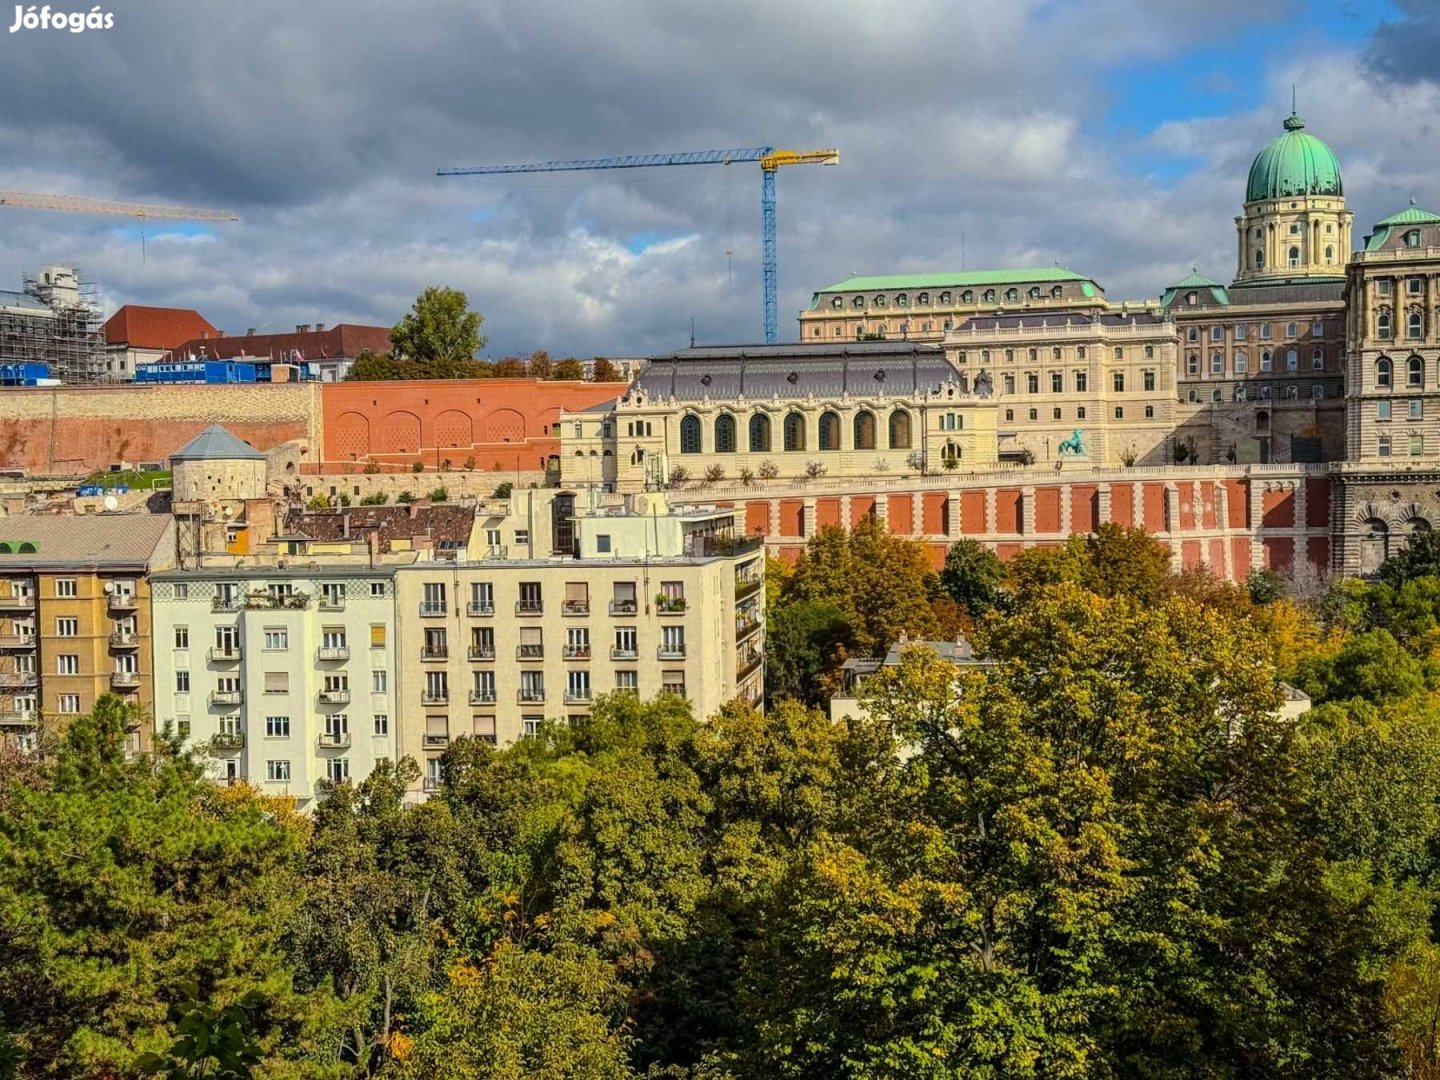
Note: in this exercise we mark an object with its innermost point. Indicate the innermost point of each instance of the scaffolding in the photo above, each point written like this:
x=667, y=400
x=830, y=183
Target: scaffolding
x=55, y=321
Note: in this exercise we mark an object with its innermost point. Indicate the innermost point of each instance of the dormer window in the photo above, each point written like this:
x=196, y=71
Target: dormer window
x=879, y=301
x=1035, y=292
x=945, y=299
x=858, y=302
x=838, y=303
x=1192, y=298
x=1012, y=295
x=1056, y=292
x=989, y=296
x=923, y=299
x=1412, y=238
x=902, y=300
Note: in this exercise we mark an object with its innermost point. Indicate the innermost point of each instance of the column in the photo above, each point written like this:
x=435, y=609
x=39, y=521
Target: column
x=807, y=517
x=1027, y=514
x=917, y=513
x=1102, y=507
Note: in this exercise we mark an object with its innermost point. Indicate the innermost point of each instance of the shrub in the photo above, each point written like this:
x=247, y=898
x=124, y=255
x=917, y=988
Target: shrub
x=405, y=497
x=418, y=466
x=814, y=470
x=439, y=495
x=502, y=491
x=714, y=474
x=469, y=464
x=769, y=470
x=377, y=499
x=747, y=476
x=371, y=468
x=678, y=475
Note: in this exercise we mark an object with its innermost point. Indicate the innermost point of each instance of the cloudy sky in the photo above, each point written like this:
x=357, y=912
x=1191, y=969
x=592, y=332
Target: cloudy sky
x=1108, y=136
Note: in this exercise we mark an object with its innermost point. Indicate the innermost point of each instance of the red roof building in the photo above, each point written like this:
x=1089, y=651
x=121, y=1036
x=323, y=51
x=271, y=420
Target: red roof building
x=158, y=328
x=330, y=351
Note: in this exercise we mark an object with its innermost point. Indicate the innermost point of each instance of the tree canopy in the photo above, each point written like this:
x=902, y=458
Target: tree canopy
x=439, y=326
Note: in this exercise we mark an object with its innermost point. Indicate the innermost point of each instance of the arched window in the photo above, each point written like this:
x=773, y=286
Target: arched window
x=1382, y=325
x=759, y=434
x=899, y=430
x=690, y=435
x=724, y=434
x=864, y=430
x=1414, y=371
x=1329, y=254
x=1294, y=256
x=1035, y=292
x=1415, y=327
x=1259, y=260
x=1056, y=292
x=879, y=301
x=1382, y=372
x=829, y=431
x=1242, y=362
x=1317, y=359
x=951, y=453
x=989, y=296
x=795, y=432
x=1292, y=359
x=1012, y=295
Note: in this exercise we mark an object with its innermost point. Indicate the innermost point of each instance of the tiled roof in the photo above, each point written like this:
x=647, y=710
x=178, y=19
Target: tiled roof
x=762, y=372
x=437, y=523
x=957, y=279
x=345, y=340
x=88, y=539
x=155, y=327
x=216, y=444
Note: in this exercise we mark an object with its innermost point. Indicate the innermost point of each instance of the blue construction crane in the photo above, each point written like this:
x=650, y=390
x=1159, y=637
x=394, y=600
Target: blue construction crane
x=770, y=160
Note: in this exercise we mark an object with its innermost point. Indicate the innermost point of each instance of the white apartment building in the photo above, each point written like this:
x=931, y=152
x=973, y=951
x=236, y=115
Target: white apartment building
x=284, y=676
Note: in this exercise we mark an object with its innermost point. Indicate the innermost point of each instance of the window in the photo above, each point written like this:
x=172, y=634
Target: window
x=522, y=537
x=437, y=688
x=864, y=430
x=829, y=431
x=1192, y=365
x=672, y=641
x=899, y=430
x=1239, y=332
x=1382, y=325
x=277, y=638
x=627, y=681
x=1119, y=353
x=68, y=703
x=1417, y=445
x=67, y=627
x=968, y=298
x=1217, y=333
x=532, y=685
x=1217, y=364
x=277, y=727
x=1193, y=334
x=672, y=682
x=67, y=664
x=1080, y=353
x=1008, y=383
x=1082, y=381
x=182, y=637
x=1383, y=376
x=482, y=598
x=433, y=598
x=377, y=588
x=65, y=588
x=1032, y=382
x=1382, y=410
x=1414, y=286
x=1012, y=295
x=1414, y=372
x=759, y=434
x=1119, y=412
x=277, y=772
x=1294, y=228
x=1317, y=360
x=1149, y=412
x=577, y=643
x=1317, y=392
x=379, y=682
x=1382, y=446
x=337, y=770
x=1412, y=238
x=794, y=431
x=1054, y=414
x=1148, y=380
x=380, y=724
x=1266, y=362
x=277, y=682
x=923, y=299
x=1317, y=329
x=1009, y=414
x=725, y=432
x=182, y=682
x=1034, y=414
x=1294, y=256
x=690, y=435
x=530, y=725
x=1080, y=413
x=1292, y=359
x=1118, y=379
x=989, y=296
x=1057, y=382
x=577, y=685
x=332, y=595
x=1242, y=362
x=1415, y=325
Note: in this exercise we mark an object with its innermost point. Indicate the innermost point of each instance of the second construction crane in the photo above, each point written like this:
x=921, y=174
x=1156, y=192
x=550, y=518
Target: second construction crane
x=770, y=161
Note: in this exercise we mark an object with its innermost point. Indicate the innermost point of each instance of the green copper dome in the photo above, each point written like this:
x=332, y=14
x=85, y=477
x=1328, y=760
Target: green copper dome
x=1295, y=163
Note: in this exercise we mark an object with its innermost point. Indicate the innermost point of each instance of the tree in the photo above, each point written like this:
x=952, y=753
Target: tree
x=214, y=1044
x=569, y=369
x=605, y=371
x=973, y=576
x=439, y=326
x=1372, y=666
x=510, y=368
x=1265, y=586
x=803, y=641
x=539, y=365
x=1420, y=557
x=369, y=366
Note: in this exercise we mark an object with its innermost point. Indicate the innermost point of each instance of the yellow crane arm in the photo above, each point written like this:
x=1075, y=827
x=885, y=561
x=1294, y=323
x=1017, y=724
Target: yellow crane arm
x=774, y=160
x=81, y=204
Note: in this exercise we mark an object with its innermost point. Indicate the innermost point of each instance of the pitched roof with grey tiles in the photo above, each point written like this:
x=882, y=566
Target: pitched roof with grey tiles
x=217, y=444
x=763, y=372
x=447, y=522
x=86, y=540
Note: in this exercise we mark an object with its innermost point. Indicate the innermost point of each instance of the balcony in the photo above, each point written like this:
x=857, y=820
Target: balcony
x=225, y=603
x=744, y=665
x=578, y=697
x=18, y=679
x=618, y=652
x=671, y=652
x=577, y=652
x=576, y=607
x=15, y=602
x=624, y=607
x=745, y=627
x=121, y=602
x=530, y=652
x=482, y=697
x=22, y=718
x=268, y=601
x=669, y=605
x=479, y=610
x=124, y=640
x=529, y=607
x=331, y=603
x=497, y=551
x=336, y=740
x=17, y=641
x=225, y=741
x=433, y=742
x=334, y=697
x=727, y=547
x=435, y=697
x=531, y=696
x=217, y=697
x=432, y=783
x=435, y=652
x=331, y=653
x=480, y=652
x=225, y=654
x=745, y=588
x=433, y=609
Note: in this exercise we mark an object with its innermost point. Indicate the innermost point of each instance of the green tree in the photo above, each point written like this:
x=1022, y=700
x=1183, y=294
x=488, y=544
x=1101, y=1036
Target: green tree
x=973, y=576
x=803, y=641
x=569, y=369
x=510, y=368
x=439, y=326
x=605, y=371
x=373, y=367
x=1265, y=586
x=1420, y=557
x=1373, y=666
x=214, y=1044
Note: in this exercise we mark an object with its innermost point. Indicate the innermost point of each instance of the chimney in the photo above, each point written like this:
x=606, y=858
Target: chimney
x=302, y=328
x=344, y=525
x=372, y=545
x=319, y=326
x=250, y=332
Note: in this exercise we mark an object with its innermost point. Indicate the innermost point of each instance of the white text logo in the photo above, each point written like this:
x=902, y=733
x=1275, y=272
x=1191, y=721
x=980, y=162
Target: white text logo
x=77, y=22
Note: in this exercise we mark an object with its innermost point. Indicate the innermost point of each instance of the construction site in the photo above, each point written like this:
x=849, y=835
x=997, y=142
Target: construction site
x=55, y=321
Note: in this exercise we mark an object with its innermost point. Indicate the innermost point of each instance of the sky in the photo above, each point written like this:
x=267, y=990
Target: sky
x=1106, y=136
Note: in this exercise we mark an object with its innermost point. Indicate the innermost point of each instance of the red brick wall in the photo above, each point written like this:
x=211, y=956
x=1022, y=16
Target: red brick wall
x=902, y=515
x=1007, y=510
x=972, y=521
x=827, y=512
x=1047, y=509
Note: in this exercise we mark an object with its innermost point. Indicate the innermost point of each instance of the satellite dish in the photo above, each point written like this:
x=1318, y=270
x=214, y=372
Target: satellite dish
x=111, y=502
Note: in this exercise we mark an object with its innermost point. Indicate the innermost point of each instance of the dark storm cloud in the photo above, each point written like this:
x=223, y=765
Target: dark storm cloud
x=1408, y=48
x=322, y=124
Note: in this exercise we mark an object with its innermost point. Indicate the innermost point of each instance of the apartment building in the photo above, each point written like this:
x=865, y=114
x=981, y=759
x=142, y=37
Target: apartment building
x=284, y=675
x=639, y=598
x=75, y=615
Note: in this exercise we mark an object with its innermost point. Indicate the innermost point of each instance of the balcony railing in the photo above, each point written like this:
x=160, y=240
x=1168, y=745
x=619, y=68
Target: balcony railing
x=228, y=740
x=578, y=697
x=744, y=588
x=479, y=610
x=530, y=607
x=482, y=697
x=19, y=679
x=745, y=627
x=268, y=601
x=225, y=654
x=435, y=697
x=746, y=664
x=728, y=546
x=331, y=603
x=18, y=717
x=669, y=605
x=671, y=652
x=618, y=652
x=577, y=652
x=530, y=652
x=332, y=652
x=480, y=652
x=334, y=697
x=435, y=652
x=576, y=607
x=339, y=740
x=436, y=740
x=497, y=551
x=17, y=603
x=124, y=640
x=122, y=602
x=226, y=603
x=532, y=696
x=432, y=783
x=217, y=697
x=624, y=607
x=17, y=641
x=433, y=609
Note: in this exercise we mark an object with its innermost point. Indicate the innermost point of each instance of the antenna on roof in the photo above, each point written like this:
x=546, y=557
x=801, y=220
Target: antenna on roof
x=692, y=331
x=1292, y=99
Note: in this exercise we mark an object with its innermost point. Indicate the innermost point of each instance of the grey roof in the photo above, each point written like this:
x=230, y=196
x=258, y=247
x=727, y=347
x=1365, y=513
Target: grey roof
x=85, y=540
x=1297, y=292
x=762, y=372
x=217, y=444
x=959, y=651
x=1063, y=318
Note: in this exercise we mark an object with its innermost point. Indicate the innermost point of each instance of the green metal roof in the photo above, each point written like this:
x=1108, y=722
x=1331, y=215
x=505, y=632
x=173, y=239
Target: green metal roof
x=1411, y=215
x=957, y=279
x=1295, y=163
x=1195, y=280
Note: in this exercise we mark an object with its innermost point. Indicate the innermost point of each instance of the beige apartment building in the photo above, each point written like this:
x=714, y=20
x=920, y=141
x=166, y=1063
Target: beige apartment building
x=647, y=600
x=75, y=616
